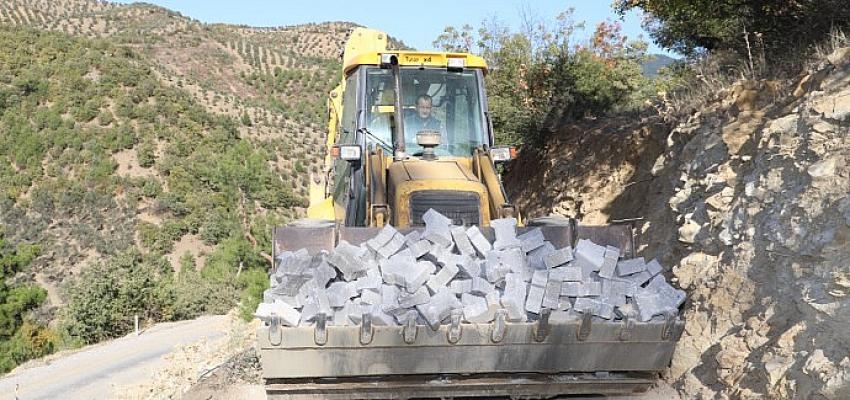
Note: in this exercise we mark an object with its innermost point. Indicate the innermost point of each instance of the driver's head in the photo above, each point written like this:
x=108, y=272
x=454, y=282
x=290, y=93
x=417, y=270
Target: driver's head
x=423, y=106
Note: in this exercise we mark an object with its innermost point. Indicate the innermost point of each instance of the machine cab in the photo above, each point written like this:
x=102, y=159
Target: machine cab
x=448, y=102
x=436, y=93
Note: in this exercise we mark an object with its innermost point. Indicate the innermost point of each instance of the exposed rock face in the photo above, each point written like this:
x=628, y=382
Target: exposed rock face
x=748, y=200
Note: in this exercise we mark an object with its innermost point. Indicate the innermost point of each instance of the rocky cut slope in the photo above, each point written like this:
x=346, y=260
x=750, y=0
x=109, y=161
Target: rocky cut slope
x=747, y=199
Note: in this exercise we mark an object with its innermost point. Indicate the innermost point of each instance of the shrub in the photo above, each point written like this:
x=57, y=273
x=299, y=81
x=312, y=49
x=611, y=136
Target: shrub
x=105, y=297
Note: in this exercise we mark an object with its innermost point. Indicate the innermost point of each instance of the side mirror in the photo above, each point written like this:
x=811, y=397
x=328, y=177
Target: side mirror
x=348, y=152
x=502, y=154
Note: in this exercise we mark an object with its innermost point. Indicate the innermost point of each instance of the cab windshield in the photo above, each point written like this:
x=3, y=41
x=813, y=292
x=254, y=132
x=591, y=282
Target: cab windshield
x=434, y=100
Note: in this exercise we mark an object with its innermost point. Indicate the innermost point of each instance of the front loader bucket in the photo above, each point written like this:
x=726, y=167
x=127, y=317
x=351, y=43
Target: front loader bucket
x=532, y=359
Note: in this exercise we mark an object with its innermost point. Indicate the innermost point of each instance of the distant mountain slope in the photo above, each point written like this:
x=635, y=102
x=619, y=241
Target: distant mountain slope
x=655, y=63
x=147, y=129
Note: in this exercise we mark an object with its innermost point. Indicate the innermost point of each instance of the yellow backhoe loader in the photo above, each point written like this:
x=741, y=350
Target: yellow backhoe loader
x=383, y=168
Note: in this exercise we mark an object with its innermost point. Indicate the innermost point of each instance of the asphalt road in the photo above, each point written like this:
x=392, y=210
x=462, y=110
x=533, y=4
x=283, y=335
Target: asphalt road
x=95, y=372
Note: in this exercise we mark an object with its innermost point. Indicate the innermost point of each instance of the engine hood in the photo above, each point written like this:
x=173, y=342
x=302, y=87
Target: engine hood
x=416, y=170
x=448, y=186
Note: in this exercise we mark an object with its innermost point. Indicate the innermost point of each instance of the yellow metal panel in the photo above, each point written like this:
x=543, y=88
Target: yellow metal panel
x=415, y=59
x=451, y=175
x=449, y=170
x=322, y=210
x=401, y=197
x=363, y=40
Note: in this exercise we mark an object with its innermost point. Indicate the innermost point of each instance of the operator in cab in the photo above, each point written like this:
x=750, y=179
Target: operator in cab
x=423, y=119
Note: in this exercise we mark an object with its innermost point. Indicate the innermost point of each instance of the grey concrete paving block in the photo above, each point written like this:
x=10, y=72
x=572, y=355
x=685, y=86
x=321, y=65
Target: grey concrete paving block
x=613, y=293
x=558, y=274
x=552, y=296
x=482, y=315
x=514, y=296
x=539, y=278
x=393, y=246
x=535, y=258
x=389, y=298
x=589, y=289
x=340, y=293
x=612, y=252
x=654, y=267
x=417, y=275
x=459, y=286
x=428, y=265
x=608, y=269
x=628, y=310
x=392, y=271
x=647, y=304
x=468, y=298
x=669, y=296
x=440, y=254
x=462, y=242
x=632, y=266
x=532, y=239
x=308, y=313
x=639, y=278
x=572, y=289
x=481, y=287
x=437, y=228
x=439, y=307
x=604, y=310
x=370, y=297
x=408, y=300
x=419, y=248
x=380, y=318
x=446, y=274
x=372, y=281
x=406, y=254
x=432, y=285
x=347, y=259
x=562, y=317
x=558, y=257
x=505, y=231
x=481, y=244
x=293, y=262
x=495, y=273
x=382, y=238
x=572, y=274
x=471, y=267
x=535, y=299
x=291, y=285
x=564, y=303
x=620, y=288
x=513, y=258
x=324, y=274
x=289, y=316
x=585, y=305
x=589, y=252
x=413, y=237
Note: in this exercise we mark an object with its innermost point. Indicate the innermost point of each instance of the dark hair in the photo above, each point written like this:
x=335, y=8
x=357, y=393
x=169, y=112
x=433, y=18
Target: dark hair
x=424, y=97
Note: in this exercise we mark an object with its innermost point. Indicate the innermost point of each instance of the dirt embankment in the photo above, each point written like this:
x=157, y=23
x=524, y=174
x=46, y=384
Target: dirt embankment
x=747, y=201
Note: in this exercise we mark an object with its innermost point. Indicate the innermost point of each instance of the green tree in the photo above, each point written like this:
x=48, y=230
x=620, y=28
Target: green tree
x=21, y=338
x=539, y=77
x=697, y=26
x=105, y=297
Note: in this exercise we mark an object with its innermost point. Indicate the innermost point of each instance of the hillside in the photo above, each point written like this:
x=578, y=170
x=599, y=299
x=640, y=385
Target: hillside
x=138, y=141
x=272, y=82
x=745, y=197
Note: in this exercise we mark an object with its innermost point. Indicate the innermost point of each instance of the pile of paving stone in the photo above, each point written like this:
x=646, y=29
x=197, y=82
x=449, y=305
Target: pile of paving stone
x=427, y=274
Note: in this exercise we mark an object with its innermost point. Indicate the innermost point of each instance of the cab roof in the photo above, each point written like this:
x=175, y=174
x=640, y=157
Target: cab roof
x=415, y=59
